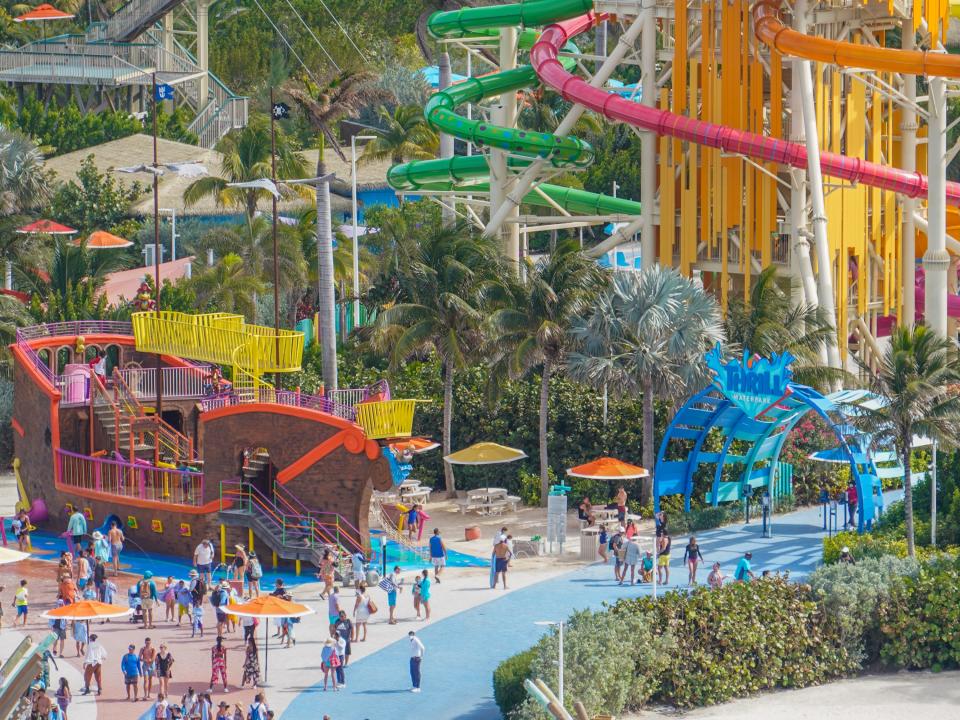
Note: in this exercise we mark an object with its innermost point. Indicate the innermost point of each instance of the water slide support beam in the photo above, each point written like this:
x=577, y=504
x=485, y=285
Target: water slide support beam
x=908, y=145
x=648, y=139
x=936, y=261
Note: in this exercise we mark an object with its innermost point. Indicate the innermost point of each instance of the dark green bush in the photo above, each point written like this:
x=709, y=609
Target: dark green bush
x=508, y=691
x=870, y=545
x=920, y=625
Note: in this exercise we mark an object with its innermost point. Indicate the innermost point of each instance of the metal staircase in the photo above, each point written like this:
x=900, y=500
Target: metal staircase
x=127, y=51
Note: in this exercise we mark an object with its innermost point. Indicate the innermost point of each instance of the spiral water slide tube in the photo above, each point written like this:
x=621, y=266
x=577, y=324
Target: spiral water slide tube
x=545, y=62
x=469, y=173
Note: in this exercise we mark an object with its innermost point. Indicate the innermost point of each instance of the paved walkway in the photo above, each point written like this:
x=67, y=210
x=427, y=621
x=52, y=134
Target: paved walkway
x=463, y=650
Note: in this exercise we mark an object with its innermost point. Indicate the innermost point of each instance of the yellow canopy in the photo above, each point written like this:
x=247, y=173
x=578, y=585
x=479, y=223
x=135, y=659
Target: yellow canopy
x=485, y=453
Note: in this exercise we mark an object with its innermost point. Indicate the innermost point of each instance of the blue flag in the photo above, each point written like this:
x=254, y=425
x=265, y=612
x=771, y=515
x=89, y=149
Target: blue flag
x=163, y=92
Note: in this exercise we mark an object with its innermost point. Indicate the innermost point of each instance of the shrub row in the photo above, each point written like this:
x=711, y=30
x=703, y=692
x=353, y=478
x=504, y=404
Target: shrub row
x=705, y=647
x=870, y=545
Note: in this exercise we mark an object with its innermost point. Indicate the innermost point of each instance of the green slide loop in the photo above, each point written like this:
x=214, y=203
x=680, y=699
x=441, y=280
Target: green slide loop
x=456, y=23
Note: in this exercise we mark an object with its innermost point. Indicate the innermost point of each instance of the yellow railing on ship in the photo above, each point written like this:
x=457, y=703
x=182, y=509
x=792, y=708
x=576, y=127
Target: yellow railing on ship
x=216, y=338
x=386, y=418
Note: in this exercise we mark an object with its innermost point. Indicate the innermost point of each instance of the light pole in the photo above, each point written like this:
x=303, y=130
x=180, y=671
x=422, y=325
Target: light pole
x=356, y=241
x=559, y=625
x=173, y=231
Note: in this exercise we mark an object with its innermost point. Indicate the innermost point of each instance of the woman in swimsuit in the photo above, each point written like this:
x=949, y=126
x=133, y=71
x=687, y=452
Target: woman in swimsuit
x=239, y=562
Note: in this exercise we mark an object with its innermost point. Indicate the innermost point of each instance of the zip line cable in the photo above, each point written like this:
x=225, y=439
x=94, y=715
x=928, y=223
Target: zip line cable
x=344, y=31
x=290, y=47
x=315, y=38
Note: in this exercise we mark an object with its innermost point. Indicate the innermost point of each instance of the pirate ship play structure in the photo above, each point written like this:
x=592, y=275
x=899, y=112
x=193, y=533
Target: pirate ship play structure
x=278, y=470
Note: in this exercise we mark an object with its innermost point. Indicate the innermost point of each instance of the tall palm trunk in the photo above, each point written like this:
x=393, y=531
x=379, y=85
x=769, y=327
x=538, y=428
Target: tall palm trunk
x=646, y=484
x=908, y=494
x=326, y=302
x=448, y=478
x=544, y=411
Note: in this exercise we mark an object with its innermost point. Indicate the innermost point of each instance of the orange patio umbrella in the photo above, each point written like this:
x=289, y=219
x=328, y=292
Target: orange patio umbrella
x=87, y=610
x=102, y=240
x=415, y=445
x=43, y=13
x=608, y=468
x=268, y=607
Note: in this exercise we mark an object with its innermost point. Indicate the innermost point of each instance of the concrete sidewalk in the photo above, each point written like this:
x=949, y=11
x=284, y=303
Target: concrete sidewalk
x=463, y=650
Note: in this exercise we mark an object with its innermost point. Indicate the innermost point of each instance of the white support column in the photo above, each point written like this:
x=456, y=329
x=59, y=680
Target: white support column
x=908, y=152
x=447, y=212
x=800, y=259
x=505, y=115
x=648, y=140
x=526, y=180
x=203, y=50
x=815, y=178
x=936, y=261
x=168, y=32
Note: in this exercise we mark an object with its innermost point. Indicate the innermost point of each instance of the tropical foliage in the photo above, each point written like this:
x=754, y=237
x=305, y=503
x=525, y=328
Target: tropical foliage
x=94, y=201
x=405, y=136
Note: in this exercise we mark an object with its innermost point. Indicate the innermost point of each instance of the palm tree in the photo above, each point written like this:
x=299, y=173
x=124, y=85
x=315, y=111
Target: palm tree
x=324, y=107
x=24, y=186
x=918, y=376
x=245, y=156
x=447, y=278
x=768, y=321
x=406, y=136
x=228, y=286
x=647, y=332
x=534, y=330
x=541, y=112
x=69, y=287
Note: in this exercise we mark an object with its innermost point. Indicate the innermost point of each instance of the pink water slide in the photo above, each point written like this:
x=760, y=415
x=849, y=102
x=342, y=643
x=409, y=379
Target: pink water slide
x=543, y=57
x=953, y=301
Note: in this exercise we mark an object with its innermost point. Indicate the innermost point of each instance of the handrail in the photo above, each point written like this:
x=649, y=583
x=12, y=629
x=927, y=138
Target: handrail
x=376, y=506
x=122, y=393
x=97, y=390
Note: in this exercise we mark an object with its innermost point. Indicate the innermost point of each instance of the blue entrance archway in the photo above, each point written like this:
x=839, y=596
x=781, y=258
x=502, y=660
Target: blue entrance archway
x=721, y=431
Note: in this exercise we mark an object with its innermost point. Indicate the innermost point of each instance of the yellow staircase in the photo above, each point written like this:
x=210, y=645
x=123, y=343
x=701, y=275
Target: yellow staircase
x=224, y=339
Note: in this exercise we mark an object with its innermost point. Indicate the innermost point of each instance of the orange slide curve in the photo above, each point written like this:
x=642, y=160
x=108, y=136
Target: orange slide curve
x=771, y=31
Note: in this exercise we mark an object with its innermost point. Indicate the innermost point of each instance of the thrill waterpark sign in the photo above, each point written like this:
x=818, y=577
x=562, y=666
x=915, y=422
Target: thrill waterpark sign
x=755, y=384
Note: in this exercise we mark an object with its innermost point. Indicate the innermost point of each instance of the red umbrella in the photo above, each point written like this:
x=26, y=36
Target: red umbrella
x=46, y=227
x=42, y=13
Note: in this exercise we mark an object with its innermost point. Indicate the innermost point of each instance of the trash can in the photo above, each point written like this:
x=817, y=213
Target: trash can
x=589, y=543
x=75, y=382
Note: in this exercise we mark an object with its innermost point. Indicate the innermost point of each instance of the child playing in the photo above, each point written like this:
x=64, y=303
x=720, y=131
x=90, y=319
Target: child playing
x=21, y=602
x=197, y=616
x=603, y=540
x=184, y=601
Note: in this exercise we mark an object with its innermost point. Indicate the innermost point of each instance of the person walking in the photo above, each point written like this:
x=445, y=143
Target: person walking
x=716, y=577
x=220, y=598
x=203, y=560
x=425, y=593
x=744, y=571
x=602, y=541
x=852, y=500
x=254, y=574
x=438, y=554
x=130, y=667
x=81, y=636
x=258, y=708
x=344, y=628
x=164, y=669
x=327, y=574
x=76, y=528
x=692, y=557
x=251, y=665
x=329, y=662
x=93, y=665
x=99, y=577
x=341, y=645
x=218, y=664
x=616, y=548
x=115, y=538
x=147, y=590
x=148, y=664
x=630, y=559
x=333, y=605
x=663, y=559
x=21, y=601
x=63, y=697
x=501, y=559
x=361, y=613
x=416, y=660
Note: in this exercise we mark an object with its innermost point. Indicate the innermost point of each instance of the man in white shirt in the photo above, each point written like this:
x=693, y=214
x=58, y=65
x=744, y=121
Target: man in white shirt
x=203, y=560
x=416, y=658
x=93, y=665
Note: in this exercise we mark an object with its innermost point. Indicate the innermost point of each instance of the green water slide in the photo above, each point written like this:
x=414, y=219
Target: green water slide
x=469, y=173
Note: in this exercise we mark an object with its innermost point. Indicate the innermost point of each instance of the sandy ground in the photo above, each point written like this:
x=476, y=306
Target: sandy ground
x=926, y=695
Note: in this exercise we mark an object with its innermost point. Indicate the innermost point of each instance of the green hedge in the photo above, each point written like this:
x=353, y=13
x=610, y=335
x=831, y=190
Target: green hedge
x=508, y=690
x=870, y=545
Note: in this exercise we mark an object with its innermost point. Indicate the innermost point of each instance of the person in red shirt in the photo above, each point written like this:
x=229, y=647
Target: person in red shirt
x=852, y=503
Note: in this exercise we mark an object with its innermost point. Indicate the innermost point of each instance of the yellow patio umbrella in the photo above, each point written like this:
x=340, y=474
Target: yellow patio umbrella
x=485, y=453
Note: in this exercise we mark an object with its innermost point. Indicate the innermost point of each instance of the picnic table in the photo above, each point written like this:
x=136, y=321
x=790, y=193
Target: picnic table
x=487, y=501
x=416, y=495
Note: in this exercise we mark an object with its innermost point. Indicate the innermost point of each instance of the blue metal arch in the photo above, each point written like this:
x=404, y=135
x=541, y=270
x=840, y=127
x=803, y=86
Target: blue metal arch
x=766, y=438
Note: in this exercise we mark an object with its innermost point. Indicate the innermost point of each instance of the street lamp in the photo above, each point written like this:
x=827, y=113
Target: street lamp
x=356, y=241
x=559, y=625
x=173, y=230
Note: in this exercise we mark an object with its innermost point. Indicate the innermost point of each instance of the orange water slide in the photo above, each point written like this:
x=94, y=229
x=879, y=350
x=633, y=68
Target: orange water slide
x=771, y=31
